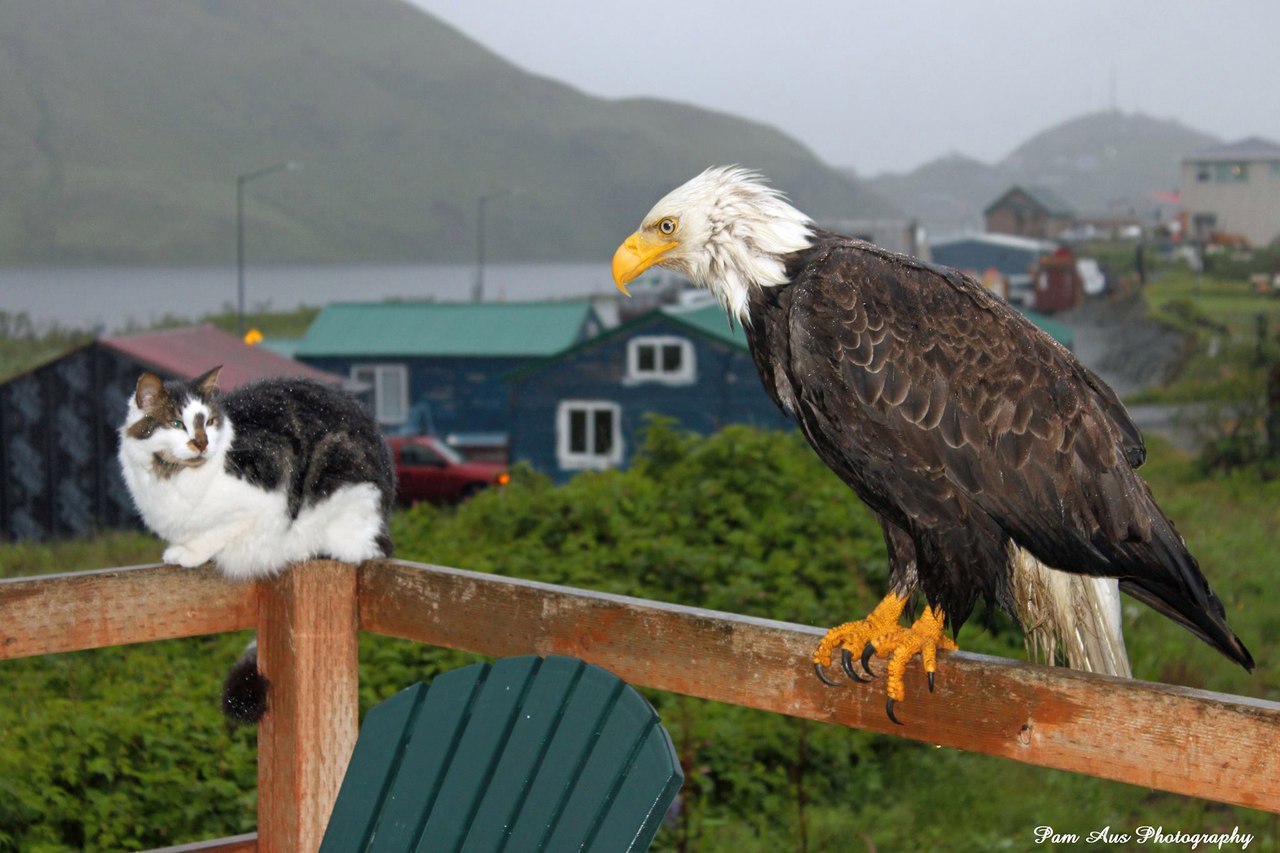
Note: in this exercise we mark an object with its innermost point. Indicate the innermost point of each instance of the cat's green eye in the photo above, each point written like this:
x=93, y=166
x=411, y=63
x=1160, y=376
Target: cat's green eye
x=177, y=424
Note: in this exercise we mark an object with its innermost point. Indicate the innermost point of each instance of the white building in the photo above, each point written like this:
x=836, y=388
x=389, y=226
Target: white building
x=1233, y=190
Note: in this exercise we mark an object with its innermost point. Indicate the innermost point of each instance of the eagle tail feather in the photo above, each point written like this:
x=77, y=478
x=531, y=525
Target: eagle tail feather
x=1178, y=589
x=1205, y=618
x=1069, y=617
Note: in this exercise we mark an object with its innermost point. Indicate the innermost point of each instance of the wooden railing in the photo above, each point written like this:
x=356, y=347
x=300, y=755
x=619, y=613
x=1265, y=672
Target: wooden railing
x=1194, y=742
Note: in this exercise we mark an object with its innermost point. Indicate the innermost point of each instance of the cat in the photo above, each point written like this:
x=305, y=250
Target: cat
x=269, y=474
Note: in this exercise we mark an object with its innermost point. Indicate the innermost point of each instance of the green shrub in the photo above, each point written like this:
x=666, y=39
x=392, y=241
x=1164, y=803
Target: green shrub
x=125, y=748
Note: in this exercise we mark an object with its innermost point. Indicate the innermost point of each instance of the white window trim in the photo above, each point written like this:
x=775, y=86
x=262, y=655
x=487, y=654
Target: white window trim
x=570, y=461
x=686, y=375
x=383, y=373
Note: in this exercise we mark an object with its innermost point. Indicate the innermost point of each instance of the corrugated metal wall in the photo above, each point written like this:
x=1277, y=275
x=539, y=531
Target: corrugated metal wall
x=58, y=470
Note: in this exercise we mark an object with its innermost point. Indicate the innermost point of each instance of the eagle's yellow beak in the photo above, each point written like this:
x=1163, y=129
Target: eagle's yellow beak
x=636, y=254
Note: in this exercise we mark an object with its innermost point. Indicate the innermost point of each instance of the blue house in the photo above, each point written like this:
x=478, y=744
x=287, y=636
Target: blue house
x=440, y=367
x=1015, y=258
x=583, y=408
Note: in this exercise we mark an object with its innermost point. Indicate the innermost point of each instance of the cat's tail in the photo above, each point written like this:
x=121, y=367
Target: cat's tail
x=244, y=693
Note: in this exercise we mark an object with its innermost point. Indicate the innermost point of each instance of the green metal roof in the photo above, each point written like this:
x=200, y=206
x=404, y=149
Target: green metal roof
x=444, y=328
x=710, y=320
x=1060, y=332
x=287, y=347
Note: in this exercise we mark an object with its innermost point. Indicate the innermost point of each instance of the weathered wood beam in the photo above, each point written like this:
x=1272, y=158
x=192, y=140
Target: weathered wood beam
x=1192, y=742
x=116, y=607
x=307, y=649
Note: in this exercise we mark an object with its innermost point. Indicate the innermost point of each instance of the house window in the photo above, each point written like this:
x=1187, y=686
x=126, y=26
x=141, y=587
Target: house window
x=660, y=358
x=588, y=434
x=1203, y=224
x=390, y=383
x=1230, y=173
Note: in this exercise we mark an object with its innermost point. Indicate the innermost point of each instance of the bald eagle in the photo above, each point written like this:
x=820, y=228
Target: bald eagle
x=999, y=467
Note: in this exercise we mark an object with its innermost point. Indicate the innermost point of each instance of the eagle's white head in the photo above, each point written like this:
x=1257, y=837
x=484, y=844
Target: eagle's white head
x=725, y=230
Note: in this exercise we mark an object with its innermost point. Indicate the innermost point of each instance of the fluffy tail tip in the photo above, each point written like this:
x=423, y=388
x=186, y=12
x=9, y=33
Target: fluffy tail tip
x=244, y=693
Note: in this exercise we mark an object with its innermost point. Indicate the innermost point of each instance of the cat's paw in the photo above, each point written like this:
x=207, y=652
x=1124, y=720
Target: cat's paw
x=188, y=558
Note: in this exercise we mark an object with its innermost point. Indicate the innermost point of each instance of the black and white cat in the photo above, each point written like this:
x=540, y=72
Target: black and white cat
x=274, y=472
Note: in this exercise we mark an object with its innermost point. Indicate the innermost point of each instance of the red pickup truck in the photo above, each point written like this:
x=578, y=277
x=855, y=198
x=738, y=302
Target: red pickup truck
x=427, y=469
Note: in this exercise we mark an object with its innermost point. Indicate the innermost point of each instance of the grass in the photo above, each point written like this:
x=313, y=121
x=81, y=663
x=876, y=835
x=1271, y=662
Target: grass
x=1221, y=318
x=108, y=549
x=1206, y=304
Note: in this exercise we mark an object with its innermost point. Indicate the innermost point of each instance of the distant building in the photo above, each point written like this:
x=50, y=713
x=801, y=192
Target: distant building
x=440, y=367
x=1058, y=284
x=1014, y=258
x=59, y=422
x=585, y=407
x=1029, y=212
x=1233, y=191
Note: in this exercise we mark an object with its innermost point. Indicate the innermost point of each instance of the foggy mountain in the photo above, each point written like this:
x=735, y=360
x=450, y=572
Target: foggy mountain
x=1104, y=164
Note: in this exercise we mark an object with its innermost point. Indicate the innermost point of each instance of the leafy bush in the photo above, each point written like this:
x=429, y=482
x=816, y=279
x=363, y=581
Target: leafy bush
x=124, y=748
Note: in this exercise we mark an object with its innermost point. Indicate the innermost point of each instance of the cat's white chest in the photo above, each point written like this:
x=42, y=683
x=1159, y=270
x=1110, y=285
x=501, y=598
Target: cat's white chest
x=187, y=502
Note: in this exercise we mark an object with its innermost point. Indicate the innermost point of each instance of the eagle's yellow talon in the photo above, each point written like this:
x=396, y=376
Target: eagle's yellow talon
x=854, y=635
x=879, y=635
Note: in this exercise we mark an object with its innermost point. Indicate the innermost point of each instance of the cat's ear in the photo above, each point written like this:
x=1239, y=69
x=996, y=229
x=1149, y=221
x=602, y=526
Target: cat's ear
x=150, y=390
x=207, y=383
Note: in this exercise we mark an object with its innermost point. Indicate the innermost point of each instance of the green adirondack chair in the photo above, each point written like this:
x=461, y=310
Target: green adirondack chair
x=528, y=754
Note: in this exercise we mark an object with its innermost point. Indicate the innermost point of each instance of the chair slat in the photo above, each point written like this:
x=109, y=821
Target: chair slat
x=373, y=764
x=527, y=748
x=528, y=754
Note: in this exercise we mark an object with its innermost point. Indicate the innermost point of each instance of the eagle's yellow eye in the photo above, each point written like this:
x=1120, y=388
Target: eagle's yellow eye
x=667, y=226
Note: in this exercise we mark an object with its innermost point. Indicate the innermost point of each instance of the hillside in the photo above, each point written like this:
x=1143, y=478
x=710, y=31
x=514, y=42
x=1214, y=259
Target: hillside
x=123, y=127
x=1105, y=163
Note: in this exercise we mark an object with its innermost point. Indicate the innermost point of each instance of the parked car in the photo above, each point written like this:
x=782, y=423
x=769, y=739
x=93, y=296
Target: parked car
x=427, y=469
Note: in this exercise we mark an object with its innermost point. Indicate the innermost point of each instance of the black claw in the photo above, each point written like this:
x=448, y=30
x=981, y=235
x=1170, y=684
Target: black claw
x=867, y=652
x=846, y=661
x=888, y=709
x=930, y=677
x=822, y=676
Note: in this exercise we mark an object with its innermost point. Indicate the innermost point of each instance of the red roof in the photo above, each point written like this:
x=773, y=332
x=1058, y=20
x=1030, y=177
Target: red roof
x=188, y=352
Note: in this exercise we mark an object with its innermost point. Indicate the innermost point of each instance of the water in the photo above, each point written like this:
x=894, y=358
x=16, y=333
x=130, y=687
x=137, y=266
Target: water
x=114, y=299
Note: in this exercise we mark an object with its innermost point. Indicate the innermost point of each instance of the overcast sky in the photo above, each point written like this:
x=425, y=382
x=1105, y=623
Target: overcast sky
x=885, y=86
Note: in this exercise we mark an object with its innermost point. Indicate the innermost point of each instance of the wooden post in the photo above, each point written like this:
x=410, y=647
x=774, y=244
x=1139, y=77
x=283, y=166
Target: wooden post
x=307, y=632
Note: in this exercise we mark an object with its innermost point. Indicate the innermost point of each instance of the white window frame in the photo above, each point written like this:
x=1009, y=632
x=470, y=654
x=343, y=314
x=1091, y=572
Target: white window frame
x=571, y=460
x=386, y=379
x=686, y=375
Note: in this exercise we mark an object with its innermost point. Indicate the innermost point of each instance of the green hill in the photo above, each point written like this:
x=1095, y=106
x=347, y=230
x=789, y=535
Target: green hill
x=123, y=126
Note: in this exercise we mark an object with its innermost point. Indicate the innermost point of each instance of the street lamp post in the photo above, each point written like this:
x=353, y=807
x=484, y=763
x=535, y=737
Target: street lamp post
x=241, y=180
x=477, y=291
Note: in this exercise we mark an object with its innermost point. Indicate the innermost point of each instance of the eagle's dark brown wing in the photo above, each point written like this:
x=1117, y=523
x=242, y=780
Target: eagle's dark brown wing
x=957, y=420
